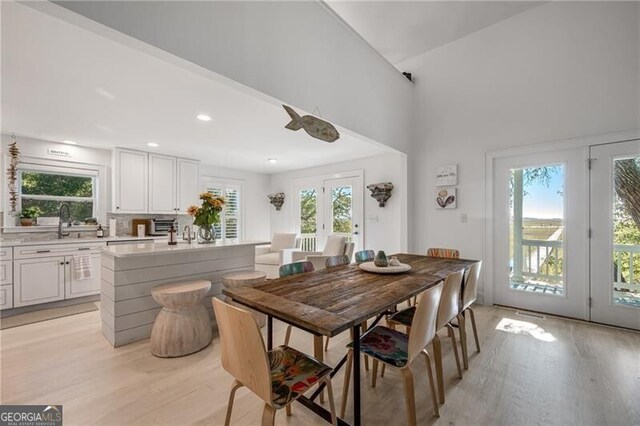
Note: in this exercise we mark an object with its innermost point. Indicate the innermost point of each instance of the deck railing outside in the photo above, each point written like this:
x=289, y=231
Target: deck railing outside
x=309, y=242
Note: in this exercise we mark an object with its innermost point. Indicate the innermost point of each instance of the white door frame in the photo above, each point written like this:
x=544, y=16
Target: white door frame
x=487, y=290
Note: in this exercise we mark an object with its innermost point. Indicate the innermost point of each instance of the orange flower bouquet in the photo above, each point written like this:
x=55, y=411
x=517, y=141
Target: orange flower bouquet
x=207, y=215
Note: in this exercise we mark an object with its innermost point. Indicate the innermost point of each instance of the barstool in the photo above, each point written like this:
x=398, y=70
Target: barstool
x=250, y=278
x=183, y=326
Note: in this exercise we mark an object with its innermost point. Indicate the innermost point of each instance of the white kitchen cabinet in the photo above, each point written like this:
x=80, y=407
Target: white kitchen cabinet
x=6, y=296
x=38, y=280
x=188, y=184
x=6, y=253
x=79, y=288
x=162, y=184
x=6, y=272
x=131, y=181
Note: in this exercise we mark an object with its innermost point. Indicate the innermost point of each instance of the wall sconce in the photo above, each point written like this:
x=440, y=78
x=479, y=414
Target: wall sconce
x=381, y=192
x=277, y=199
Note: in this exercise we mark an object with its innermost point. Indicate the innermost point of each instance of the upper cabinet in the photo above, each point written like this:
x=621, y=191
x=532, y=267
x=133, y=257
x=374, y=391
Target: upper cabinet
x=131, y=181
x=152, y=183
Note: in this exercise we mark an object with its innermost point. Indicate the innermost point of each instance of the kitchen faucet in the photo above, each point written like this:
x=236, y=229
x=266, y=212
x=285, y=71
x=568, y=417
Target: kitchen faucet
x=60, y=233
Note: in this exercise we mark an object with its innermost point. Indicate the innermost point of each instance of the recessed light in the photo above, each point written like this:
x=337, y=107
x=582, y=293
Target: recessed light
x=70, y=142
x=203, y=117
x=153, y=144
x=272, y=160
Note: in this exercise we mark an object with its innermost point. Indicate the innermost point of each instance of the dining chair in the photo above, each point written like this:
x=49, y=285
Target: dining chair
x=469, y=296
x=333, y=261
x=398, y=350
x=448, y=310
x=446, y=253
x=278, y=377
x=288, y=270
x=365, y=256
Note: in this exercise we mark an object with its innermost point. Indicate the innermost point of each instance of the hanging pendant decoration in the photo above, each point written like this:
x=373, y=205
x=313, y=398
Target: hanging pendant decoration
x=12, y=174
x=314, y=126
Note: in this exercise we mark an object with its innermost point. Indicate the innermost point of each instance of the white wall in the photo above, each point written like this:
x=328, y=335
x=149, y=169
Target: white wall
x=298, y=52
x=256, y=205
x=389, y=233
x=560, y=70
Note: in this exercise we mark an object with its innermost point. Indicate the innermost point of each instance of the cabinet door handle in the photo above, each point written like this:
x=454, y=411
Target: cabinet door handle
x=43, y=251
x=67, y=262
x=85, y=248
x=62, y=263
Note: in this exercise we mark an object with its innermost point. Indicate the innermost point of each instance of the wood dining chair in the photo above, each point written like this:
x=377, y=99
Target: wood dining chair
x=398, y=350
x=447, y=312
x=278, y=377
x=288, y=270
x=469, y=296
x=364, y=256
x=446, y=253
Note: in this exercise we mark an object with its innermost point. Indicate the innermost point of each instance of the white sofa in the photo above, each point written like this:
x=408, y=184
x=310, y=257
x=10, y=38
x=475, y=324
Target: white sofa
x=336, y=245
x=270, y=257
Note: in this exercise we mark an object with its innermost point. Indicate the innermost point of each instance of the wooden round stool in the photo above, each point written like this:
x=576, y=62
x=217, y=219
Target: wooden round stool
x=250, y=278
x=183, y=326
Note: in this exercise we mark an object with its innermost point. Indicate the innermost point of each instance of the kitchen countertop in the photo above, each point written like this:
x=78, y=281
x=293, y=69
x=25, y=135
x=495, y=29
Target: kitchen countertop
x=149, y=249
x=69, y=240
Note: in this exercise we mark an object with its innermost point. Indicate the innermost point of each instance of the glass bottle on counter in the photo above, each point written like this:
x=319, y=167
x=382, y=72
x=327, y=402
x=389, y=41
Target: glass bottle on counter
x=99, y=232
x=173, y=236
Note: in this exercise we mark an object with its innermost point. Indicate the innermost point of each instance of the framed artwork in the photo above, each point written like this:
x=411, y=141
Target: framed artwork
x=446, y=198
x=447, y=175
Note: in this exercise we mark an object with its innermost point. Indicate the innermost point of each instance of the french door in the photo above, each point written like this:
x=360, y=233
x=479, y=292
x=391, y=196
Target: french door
x=326, y=207
x=615, y=234
x=539, y=232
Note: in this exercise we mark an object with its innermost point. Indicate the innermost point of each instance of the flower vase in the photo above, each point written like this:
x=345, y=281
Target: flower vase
x=206, y=234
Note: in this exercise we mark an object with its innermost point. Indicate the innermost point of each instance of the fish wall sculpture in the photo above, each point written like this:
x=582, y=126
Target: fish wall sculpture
x=314, y=126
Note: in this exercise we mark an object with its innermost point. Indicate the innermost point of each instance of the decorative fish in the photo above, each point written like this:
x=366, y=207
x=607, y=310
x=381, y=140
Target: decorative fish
x=315, y=127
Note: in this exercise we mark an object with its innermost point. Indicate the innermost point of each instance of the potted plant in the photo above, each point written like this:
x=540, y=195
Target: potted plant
x=207, y=215
x=27, y=215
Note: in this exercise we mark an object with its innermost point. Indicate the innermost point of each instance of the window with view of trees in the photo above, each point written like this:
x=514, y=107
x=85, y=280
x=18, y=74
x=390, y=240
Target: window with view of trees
x=47, y=190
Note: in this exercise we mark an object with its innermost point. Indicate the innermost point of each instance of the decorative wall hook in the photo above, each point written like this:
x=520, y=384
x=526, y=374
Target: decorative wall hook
x=381, y=192
x=12, y=173
x=277, y=199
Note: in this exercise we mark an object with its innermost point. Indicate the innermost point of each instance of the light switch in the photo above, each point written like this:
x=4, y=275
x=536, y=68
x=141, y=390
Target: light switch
x=463, y=218
x=373, y=218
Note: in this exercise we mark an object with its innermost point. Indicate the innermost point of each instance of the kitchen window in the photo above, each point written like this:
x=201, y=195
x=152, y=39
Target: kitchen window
x=48, y=187
x=230, y=217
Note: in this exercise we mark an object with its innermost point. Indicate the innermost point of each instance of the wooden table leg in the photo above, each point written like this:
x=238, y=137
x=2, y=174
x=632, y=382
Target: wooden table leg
x=318, y=353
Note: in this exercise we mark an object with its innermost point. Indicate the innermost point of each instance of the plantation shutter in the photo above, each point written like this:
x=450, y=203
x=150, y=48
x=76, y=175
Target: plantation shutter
x=230, y=228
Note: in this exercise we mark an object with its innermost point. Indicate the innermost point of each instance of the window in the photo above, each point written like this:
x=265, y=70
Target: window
x=230, y=217
x=48, y=187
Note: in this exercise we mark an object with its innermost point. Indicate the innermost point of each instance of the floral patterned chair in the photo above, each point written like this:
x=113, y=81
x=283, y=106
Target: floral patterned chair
x=443, y=252
x=278, y=376
x=365, y=256
x=398, y=350
x=288, y=270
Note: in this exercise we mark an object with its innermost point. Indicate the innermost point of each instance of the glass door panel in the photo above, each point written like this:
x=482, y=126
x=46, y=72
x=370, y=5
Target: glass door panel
x=308, y=219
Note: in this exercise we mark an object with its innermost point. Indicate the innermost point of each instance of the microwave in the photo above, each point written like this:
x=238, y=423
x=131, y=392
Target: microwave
x=159, y=227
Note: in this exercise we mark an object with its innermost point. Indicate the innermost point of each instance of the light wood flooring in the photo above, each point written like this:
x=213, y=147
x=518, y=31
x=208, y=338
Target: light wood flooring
x=530, y=371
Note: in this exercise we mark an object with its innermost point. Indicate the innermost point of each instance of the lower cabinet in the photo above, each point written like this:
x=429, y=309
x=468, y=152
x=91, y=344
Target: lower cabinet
x=6, y=296
x=39, y=280
x=47, y=279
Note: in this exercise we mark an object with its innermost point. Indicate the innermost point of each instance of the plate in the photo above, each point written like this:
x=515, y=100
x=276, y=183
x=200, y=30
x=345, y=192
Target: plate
x=398, y=269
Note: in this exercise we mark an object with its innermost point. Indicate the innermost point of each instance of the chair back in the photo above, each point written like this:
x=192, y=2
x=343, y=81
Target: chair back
x=281, y=240
x=450, y=301
x=335, y=245
x=295, y=268
x=443, y=252
x=348, y=250
x=365, y=256
x=333, y=261
x=423, y=325
x=242, y=349
x=470, y=291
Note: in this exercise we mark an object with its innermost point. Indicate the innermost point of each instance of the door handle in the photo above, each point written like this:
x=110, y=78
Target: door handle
x=43, y=251
x=355, y=233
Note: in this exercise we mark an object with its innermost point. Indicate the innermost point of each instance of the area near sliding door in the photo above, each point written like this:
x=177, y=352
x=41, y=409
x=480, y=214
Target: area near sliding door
x=328, y=206
x=539, y=232
x=615, y=233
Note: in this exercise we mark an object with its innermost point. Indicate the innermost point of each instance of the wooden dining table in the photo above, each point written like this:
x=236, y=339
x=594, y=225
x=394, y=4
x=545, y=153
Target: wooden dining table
x=330, y=301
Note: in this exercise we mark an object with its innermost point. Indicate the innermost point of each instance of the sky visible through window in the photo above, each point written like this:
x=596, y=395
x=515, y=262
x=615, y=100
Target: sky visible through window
x=542, y=201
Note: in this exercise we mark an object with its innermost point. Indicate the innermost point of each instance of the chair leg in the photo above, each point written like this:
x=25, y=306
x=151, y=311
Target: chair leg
x=410, y=399
x=332, y=407
x=287, y=336
x=326, y=344
x=475, y=330
x=318, y=354
x=288, y=410
x=462, y=328
x=232, y=395
x=374, y=375
x=347, y=380
x=268, y=415
x=383, y=369
x=363, y=329
x=437, y=353
x=452, y=334
x=434, y=397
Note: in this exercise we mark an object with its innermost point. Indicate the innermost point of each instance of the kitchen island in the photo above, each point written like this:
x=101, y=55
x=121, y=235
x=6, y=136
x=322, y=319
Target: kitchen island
x=129, y=272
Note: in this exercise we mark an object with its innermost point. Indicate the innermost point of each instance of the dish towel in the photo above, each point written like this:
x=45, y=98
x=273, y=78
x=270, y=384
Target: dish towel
x=82, y=267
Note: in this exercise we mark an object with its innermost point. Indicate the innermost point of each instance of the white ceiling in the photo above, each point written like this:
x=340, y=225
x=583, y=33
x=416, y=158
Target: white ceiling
x=62, y=82
x=400, y=30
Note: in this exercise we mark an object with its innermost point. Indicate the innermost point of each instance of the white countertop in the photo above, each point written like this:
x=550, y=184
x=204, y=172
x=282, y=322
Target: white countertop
x=70, y=240
x=149, y=249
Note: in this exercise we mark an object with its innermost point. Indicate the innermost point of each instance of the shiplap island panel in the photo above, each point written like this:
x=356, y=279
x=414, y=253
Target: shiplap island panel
x=129, y=272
